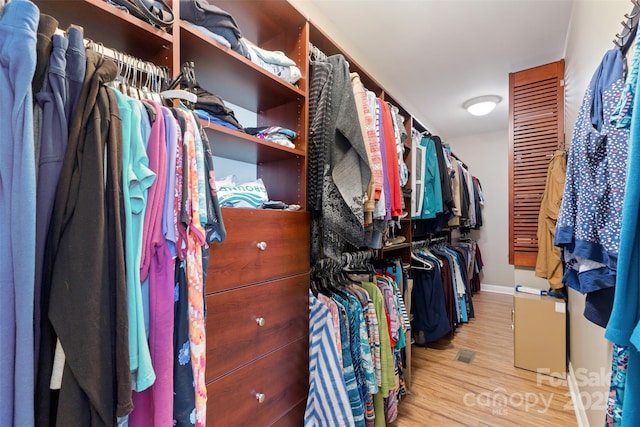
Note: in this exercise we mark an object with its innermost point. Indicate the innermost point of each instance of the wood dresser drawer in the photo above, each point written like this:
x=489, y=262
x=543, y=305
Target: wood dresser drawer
x=239, y=260
x=281, y=377
x=234, y=334
x=293, y=418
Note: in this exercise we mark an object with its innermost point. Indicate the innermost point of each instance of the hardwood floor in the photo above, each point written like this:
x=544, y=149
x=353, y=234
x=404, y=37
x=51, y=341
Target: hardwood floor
x=488, y=392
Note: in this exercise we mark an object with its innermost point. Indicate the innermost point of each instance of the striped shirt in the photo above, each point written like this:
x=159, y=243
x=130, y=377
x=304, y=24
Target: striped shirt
x=327, y=403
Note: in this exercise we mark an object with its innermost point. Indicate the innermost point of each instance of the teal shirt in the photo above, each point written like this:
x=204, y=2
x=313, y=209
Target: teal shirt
x=432, y=203
x=136, y=178
x=145, y=132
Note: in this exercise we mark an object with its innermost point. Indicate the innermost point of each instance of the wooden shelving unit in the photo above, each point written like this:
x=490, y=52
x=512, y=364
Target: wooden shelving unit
x=244, y=281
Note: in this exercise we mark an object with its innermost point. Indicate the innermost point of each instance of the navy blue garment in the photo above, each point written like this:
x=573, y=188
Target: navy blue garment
x=54, y=135
x=75, y=70
x=430, y=320
x=184, y=396
x=214, y=19
x=590, y=217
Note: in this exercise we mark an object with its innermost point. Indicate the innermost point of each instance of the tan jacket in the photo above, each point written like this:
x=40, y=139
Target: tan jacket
x=549, y=265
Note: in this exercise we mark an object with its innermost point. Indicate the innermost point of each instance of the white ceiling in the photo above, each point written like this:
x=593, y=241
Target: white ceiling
x=432, y=55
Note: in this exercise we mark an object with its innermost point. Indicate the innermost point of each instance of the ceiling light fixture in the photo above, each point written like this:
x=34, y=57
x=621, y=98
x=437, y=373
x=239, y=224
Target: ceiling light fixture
x=481, y=105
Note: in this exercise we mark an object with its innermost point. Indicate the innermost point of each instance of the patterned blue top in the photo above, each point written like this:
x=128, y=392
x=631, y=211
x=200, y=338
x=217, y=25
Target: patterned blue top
x=588, y=227
x=328, y=403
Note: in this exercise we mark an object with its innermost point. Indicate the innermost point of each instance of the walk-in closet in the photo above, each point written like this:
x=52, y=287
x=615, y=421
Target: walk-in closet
x=319, y=213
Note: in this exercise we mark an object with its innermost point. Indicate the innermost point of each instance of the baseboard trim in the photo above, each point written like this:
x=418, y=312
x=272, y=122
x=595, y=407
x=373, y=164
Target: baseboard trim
x=496, y=289
x=578, y=406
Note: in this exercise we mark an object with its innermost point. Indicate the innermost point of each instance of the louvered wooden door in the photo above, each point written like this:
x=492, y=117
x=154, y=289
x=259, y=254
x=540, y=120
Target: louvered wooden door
x=536, y=128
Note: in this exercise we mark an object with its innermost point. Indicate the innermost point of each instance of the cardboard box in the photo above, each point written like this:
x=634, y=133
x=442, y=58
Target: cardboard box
x=540, y=334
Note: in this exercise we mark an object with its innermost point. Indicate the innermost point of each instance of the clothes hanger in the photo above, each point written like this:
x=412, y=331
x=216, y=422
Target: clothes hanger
x=625, y=39
x=155, y=74
x=186, y=78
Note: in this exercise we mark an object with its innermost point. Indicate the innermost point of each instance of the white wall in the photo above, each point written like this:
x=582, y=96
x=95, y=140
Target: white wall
x=592, y=29
x=487, y=157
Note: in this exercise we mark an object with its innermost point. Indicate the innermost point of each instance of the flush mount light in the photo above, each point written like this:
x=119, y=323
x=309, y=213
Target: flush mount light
x=481, y=105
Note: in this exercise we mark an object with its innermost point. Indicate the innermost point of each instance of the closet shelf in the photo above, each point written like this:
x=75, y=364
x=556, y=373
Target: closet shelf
x=267, y=30
x=395, y=247
x=232, y=76
x=235, y=145
x=103, y=22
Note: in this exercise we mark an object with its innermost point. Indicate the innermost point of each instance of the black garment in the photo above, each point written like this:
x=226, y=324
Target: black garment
x=320, y=89
x=84, y=280
x=46, y=28
x=430, y=321
x=450, y=297
x=214, y=226
x=445, y=180
x=216, y=20
x=215, y=105
x=346, y=171
x=476, y=190
x=465, y=202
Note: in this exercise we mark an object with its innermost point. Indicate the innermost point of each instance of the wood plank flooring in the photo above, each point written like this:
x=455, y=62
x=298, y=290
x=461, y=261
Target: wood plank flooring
x=488, y=392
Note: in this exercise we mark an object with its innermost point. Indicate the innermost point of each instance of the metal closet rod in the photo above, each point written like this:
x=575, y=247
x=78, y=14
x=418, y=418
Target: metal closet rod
x=125, y=59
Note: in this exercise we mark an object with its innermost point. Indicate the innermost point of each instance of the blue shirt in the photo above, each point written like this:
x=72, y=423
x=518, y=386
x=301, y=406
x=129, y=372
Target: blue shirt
x=588, y=226
x=136, y=177
x=327, y=403
x=623, y=327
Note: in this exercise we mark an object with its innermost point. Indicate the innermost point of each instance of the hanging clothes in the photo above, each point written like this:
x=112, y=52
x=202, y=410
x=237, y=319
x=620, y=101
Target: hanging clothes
x=430, y=318
x=326, y=382
x=548, y=263
x=432, y=198
x=391, y=160
x=18, y=211
x=372, y=145
x=388, y=380
x=588, y=227
x=136, y=178
x=339, y=161
x=95, y=334
x=157, y=269
x=622, y=328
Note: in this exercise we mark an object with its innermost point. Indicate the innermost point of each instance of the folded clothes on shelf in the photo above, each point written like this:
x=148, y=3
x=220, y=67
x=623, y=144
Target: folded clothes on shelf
x=276, y=134
x=214, y=105
x=217, y=37
x=275, y=62
x=252, y=194
x=205, y=115
x=275, y=57
x=216, y=20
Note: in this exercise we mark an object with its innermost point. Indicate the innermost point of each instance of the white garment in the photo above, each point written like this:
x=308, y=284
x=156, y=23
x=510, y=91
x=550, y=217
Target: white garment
x=289, y=74
x=275, y=57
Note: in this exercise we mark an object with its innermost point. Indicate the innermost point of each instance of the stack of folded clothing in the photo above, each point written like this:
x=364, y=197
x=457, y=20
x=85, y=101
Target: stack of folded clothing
x=212, y=108
x=214, y=20
x=274, y=61
x=276, y=134
x=221, y=26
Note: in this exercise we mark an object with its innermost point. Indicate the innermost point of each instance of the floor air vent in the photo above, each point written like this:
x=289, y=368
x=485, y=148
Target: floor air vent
x=465, y=356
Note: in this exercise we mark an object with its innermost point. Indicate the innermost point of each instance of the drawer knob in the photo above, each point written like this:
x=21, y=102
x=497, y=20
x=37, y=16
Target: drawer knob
x=262, y=246
x=261, y=321
x=260, y=397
